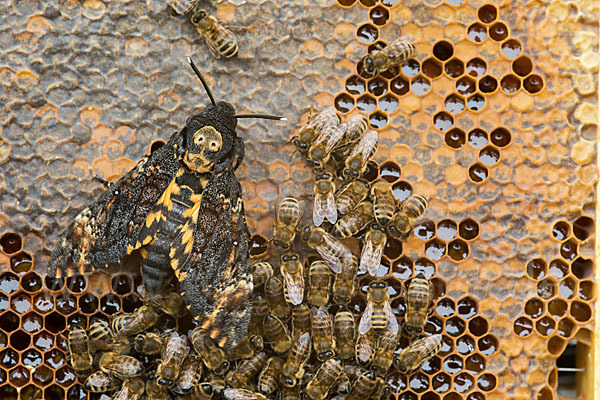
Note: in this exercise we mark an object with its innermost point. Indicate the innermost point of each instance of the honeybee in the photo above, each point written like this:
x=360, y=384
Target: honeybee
x=356, y=163
x=324, y=379
x=243, y=394
x=289, y=213
x=343, y=327
x=382, y=391
x=144, y=318
x=293, y=368
x=365, y=347
x=132, y=389
x=322, y=333
x=419, y=351
x=149, y=343
x=324, y=204
x=344, y=283
x=212, y=387
x=182, y=6
x=363, y=388
x=246, y=371
x=120, y=366
x=330, y=248
x=292, y=271
x=261, y=271
x=372, y=250
x=79, y=353
x=321, y=148
x=100, y=382
x=309, y=132
x=290, y=393
x=260, y=308
x=300, y=319
x=220, y=40
x=173, y=354
x=402, y=224
x=355, y=129
x=102, y=339
x=343, y=385
x=276, y=333
x=269, y=376
x=354, y=221
x=120, y=321
x=276, y=298
x=396, y=53
x=246, y=348
x=202, y=391
x=190, y=374
x=378, y=314
x=386, y=345
x=170, y=303
x=418, y=297
x=319, y=279
x=212, y=355
x=384, y=203
x=350, y=195
x=155, y=392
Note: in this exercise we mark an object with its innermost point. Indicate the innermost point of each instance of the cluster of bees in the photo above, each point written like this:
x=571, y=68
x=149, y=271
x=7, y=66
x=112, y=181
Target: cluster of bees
x=221, y=41
x=302, y=339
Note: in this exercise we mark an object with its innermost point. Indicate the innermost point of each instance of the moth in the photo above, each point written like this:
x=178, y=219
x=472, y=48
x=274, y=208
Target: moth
x=181, y=208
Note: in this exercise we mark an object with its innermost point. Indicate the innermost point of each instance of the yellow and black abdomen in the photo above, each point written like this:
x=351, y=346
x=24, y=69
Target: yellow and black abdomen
x=222, y=39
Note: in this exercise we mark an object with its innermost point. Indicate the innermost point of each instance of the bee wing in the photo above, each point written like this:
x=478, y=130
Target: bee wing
x=330, y=209
x=366, y=323
x=331, y=260
x=168, y=351
x=392, y=321
x=335, y=138
x=212, y=45
x=182, y=6
x=370, y=257
x=294, y=287
x=318, y=215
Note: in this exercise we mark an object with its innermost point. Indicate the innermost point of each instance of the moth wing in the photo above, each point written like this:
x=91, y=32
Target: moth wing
x=392, y=321
x=109, y=228
x=366, y=322
x=215, y=277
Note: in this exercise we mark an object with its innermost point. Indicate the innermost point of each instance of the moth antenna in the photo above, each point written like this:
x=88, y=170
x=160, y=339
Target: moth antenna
x=264, y=116
x=204, y=83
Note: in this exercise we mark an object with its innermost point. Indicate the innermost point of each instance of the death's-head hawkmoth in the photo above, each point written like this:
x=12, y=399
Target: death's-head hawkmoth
x=181, y=208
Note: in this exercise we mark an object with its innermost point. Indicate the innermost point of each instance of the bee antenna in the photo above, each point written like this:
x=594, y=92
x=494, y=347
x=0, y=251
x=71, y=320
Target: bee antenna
x=204, y=83
x=263, y=116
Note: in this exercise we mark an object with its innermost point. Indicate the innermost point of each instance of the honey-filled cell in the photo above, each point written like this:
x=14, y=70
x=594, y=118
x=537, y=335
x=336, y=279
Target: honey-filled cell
x=389, y=171
x=454, y=68
x=583, y=227
x=466, y=86
x=455, y=138
x=487, y=13
x=411, y=68
x=10, y=243
x=21, y=263
x=499, y=31
x=432, y=68
x=443, y=50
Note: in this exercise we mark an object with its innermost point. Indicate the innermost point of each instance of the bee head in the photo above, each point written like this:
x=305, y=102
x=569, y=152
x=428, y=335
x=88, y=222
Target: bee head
x=198, y=17
x=289, y=382
x=164, y=382
x=413, y=330
x=325, y=355
x=348, y=173
x=256, y=342
x=205, y=389
x=341, y=299
x=368, y=64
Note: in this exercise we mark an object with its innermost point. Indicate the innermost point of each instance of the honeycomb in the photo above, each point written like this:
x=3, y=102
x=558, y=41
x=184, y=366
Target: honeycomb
x=495, y=120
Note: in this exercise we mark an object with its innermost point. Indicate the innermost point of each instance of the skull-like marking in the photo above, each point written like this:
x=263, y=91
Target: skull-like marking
x=201, y=155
